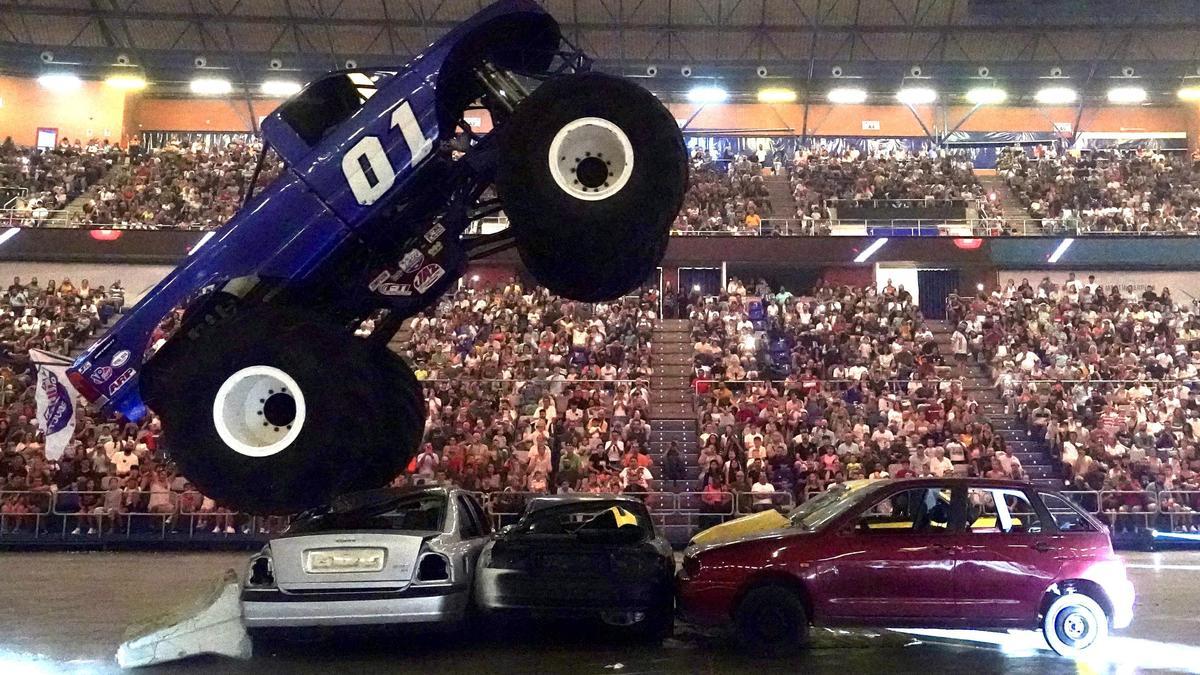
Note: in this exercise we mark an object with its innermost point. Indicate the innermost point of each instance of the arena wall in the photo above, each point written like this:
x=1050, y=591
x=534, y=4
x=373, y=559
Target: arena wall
x=894, y=120
x=94, y=111
x=100, y=111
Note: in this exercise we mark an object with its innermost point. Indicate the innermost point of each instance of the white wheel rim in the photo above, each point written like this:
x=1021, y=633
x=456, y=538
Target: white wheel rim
x=1075, y=626
x=591, y=159
x=259, y=411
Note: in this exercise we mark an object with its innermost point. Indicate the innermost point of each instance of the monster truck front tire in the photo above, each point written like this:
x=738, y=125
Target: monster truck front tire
x=269, y=411
x=592, y=172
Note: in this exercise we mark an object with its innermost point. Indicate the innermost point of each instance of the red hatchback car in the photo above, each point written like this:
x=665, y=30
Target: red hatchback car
x=929, y=552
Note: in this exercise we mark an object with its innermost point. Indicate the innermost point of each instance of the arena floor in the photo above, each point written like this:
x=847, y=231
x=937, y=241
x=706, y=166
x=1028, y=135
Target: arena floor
x=66, y=612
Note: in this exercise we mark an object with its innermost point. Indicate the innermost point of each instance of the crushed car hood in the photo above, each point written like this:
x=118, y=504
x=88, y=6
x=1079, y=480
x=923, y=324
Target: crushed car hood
x=740, y=528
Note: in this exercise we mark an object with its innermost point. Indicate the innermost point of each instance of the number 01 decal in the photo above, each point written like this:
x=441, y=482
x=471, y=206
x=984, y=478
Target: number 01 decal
x=367, y=167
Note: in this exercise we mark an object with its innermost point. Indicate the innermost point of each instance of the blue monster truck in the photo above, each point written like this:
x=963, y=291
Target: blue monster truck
x=268, y=400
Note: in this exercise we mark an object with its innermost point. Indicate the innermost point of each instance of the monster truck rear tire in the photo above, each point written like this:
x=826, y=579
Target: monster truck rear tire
x=592, y=172
x=272, y=411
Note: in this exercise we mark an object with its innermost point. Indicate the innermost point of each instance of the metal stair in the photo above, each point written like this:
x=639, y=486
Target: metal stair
x=779, y=191
x=672, y=412
x=1036, y=457
x=1010, y=205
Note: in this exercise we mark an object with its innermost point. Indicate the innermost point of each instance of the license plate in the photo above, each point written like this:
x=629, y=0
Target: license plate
x=342, y=560
x=579, y=563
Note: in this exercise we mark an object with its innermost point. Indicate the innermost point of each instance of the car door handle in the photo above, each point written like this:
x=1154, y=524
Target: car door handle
x=1041, y=547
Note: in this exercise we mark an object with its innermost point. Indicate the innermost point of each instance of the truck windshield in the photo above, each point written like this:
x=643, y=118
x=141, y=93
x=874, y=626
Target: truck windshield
x=327, y=102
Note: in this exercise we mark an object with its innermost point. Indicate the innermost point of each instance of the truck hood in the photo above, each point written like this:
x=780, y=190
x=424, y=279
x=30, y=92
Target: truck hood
x=741, y=528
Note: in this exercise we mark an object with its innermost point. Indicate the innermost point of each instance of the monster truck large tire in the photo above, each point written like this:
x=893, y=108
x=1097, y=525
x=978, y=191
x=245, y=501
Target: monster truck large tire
x=271, y=411
x=592, y=172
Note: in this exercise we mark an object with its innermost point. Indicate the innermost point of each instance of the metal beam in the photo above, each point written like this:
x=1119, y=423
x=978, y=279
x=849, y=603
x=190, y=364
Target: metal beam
x=1087, y=22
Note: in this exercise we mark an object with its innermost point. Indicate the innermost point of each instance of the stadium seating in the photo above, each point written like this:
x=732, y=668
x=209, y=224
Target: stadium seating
x=531, y=394
x=1103, y=376
x=1137, y=192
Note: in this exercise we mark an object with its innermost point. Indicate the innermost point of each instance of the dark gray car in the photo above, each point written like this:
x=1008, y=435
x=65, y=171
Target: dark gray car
x=581, y=556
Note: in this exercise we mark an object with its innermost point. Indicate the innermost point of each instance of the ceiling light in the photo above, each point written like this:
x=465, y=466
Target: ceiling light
x=776, y=95
x=847, y=95
x=1126, y=95
x=707, y=95
x=126, y=82
x=60, y=82
x=986, y=96
x=1055, y=95
x=210, y=86
x=281, y=88
x=203, y=240
x=870, y=250
x=1188, y=94
x=1058, y=252
x=916, y=95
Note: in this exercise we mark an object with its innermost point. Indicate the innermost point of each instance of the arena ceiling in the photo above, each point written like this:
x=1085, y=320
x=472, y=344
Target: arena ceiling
x=742, y=42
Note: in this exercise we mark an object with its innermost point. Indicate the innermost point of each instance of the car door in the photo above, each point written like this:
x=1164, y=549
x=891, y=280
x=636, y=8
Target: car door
x=474, y=530
x=1008, y=556
x=894, y=560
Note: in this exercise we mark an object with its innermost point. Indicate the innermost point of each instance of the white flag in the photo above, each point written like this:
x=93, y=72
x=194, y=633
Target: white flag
x=56, y=398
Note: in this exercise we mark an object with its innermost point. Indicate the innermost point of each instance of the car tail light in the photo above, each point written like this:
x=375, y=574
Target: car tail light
x=503, y=558
x=432, y=567
x=691, y=565
x=261, y=574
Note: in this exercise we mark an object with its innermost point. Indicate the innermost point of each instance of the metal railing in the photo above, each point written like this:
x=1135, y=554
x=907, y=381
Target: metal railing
x=83, y=516
x=983, y=226
x=66, y=219
x=668, y=509
x=71, y=518
x=704, y=386
x=884, y=202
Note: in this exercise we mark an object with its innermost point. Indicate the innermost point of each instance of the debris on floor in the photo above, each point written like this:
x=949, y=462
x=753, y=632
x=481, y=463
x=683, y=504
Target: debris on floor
x=210, y=624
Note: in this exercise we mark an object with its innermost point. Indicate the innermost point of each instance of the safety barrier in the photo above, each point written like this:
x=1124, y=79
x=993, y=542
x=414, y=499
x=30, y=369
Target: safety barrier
x=64, y=219
x=128, y=514
x=81, y=518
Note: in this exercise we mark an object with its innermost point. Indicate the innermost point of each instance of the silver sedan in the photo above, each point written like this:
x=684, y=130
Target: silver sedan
x=395, y=555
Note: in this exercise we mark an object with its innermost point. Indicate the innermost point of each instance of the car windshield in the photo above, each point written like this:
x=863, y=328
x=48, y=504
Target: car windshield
x=418, y=513
x=819, y=510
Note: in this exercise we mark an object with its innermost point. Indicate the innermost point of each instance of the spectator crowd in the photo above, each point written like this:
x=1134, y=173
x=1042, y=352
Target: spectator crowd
x=179, y=185
x=1126, y=191
x=1104, y=376
x=726, y=193
x=36, y=182
x=861, y=392
x=528, y=392
x=821, y=174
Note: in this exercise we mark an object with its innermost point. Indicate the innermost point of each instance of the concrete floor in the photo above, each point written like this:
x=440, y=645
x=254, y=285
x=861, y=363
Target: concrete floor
x=67, y=612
